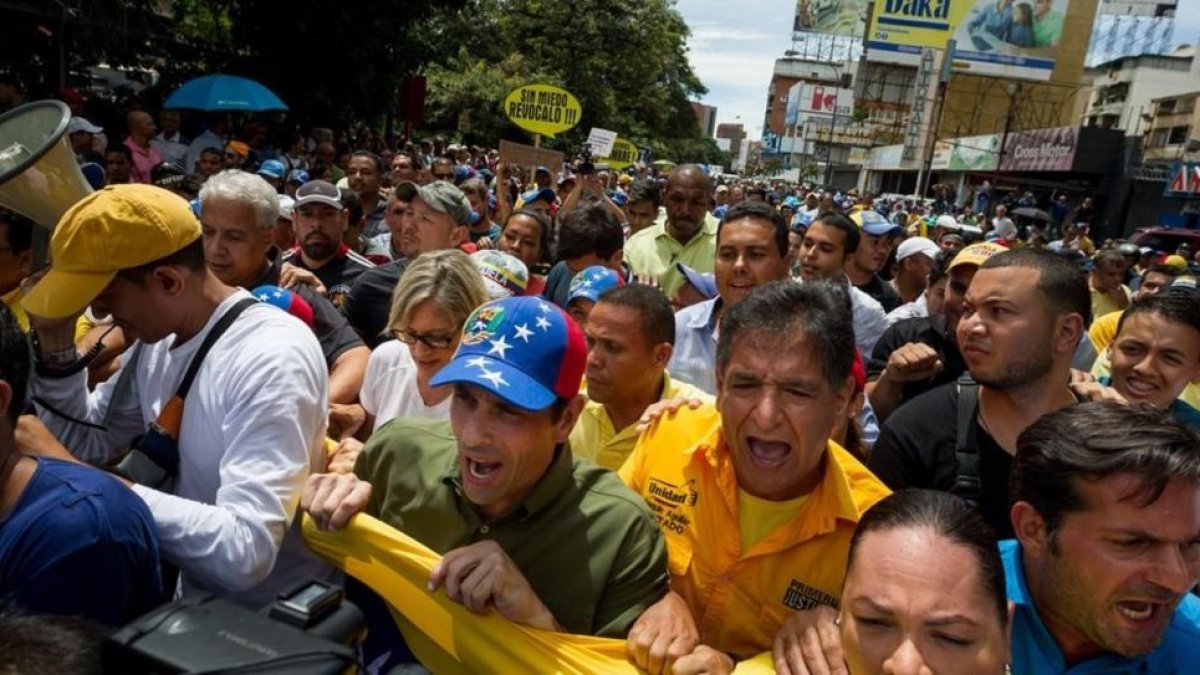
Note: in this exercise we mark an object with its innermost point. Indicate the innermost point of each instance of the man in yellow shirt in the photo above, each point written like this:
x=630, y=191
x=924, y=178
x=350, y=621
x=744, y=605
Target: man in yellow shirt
x=630, y=334
x=687, y=234
x=1108, y=293
x=16, y=261
x=757, y=505
x=1104, y=326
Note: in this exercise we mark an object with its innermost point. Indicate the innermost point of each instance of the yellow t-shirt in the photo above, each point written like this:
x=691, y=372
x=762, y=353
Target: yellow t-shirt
x=759, y=517
x=1103, y=330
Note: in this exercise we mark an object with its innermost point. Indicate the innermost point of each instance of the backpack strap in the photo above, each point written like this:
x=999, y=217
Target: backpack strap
x=215, y=334
x=966, y=447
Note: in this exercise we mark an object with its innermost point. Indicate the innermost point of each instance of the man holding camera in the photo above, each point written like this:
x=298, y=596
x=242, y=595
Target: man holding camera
x=248, y=429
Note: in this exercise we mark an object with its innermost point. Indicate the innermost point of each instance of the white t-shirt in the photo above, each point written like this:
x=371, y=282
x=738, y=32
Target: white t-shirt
x=253, y=429
x=389, y=389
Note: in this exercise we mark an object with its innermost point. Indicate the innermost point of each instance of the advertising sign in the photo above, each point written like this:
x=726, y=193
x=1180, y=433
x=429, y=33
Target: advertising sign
x=542, y=109
x=1041, y=150
x=821, y=99
x=1002, y=38
x=1185, y=181
x=791, y=113
x=831, y=17
x=968, y=153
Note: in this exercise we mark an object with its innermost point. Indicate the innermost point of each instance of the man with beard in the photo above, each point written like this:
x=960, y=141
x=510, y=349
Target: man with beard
x=919, y=354
x=320, y=221
x=687, y=234
x=365, y=176
x=1022, y=319
x=1107, y=514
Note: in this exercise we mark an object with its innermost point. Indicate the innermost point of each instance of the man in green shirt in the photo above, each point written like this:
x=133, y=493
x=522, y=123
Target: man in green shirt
x=525, y=530
x=1047, y=23
x=688, y=233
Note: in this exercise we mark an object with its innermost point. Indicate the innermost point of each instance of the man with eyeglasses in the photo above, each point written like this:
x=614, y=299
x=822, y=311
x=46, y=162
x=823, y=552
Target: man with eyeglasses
x=443, y=169
x=436, y=218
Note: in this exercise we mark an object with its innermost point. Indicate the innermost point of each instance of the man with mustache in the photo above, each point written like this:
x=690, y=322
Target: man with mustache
x=1022, y=318
x=320, y=223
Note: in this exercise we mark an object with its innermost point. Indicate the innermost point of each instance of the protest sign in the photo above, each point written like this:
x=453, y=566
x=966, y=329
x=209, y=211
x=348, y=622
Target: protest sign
x=623, y=154
x=542, y=109
x=529, y=157
x=601, y=141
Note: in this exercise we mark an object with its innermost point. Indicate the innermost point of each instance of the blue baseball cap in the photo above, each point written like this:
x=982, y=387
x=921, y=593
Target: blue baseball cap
x=620, y=199
x=522, y=349
x=272, y=168
x=590, y=283
x=463, y=172
x=298, y=176
x=545, y=194
x=874, y=224
x=706, y=284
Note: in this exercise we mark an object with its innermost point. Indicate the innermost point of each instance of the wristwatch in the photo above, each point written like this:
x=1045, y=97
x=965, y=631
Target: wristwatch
x=59, y=363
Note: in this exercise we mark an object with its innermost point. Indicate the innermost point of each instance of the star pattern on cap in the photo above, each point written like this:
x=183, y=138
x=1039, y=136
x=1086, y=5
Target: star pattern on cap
x=499, y=346
x=543, y=323
x=543, y=306
x=478, y=362
x=493, y=376
x=523, y=333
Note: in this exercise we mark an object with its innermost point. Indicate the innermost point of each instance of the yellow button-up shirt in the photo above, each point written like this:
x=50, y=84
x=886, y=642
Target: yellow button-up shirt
x=654, y=252
x=594, y=438
x=683, y=470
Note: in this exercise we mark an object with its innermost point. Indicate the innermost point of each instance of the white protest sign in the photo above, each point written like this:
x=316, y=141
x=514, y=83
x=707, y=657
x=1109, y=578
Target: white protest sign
x=601, y=141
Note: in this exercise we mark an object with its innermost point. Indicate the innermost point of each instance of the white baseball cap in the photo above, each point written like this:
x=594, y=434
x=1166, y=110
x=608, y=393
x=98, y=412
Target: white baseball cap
x=914, y=245
x=78, y=124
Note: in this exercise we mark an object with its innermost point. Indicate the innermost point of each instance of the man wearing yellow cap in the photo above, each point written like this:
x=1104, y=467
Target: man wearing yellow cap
x=250, y=426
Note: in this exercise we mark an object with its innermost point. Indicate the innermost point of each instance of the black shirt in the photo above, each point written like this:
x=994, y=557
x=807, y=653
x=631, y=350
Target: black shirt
x=370, y=300
x=916, y=450
x=338, y=275
x=930, y=330
x=883, y=292
x=330, y=327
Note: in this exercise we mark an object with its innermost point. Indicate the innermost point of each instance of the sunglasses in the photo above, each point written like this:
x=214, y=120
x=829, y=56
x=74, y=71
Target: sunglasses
x=443, y=176
x=431, y=340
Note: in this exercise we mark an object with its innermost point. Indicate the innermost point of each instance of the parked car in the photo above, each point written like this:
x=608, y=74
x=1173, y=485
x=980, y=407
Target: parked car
x=1167, y=239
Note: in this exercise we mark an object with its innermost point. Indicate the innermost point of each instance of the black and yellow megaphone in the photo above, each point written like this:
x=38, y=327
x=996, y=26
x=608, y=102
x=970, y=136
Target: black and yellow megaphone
x=39, y=176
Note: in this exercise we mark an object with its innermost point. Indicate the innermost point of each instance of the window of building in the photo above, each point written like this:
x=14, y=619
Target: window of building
x=1167, y=106
x=1158, y=138
x=1177, y=135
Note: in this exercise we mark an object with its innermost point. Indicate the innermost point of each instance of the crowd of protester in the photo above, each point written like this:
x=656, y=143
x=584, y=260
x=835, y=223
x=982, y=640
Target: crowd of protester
x=722, y=421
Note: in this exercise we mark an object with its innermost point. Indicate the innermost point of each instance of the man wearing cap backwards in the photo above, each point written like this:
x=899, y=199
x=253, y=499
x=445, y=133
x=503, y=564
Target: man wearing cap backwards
x=238, y=212
x=253, y=423
x=687, y=233
x=1023, y=316
x=756, y=503
x=874, y=247
x=525, y=530
x=919, y=354
x=436, y=217
x=914, y=258
x=320, y=220
x=630, y=335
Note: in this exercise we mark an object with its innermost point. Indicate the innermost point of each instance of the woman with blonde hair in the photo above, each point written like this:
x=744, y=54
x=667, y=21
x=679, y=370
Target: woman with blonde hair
x=437, y=293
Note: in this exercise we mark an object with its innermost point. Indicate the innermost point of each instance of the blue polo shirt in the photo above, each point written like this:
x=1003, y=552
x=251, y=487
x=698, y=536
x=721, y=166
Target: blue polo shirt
x=1035, y=651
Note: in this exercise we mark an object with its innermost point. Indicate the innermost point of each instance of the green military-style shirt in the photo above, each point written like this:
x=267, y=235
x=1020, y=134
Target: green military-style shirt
x=588, y=546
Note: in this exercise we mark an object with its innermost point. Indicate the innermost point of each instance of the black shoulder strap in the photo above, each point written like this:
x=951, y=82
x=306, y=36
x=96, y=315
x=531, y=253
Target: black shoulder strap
x=966, y=447
x=218, y=329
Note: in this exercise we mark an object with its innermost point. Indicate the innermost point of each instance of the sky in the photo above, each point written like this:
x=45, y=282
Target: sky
x=734, y=44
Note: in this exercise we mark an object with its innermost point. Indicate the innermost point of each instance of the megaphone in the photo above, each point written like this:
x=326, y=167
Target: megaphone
x=39, y=177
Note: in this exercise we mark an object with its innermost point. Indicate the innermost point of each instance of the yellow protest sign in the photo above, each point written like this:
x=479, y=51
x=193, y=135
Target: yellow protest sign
x=623, y=154
x=542, y=109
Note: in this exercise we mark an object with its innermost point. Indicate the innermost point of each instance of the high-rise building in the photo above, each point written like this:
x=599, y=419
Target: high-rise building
x=706, y=117
x=736, y=133
x=1131, y=28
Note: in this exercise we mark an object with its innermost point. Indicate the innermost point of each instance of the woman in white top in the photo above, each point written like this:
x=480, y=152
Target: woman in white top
x=436, y=294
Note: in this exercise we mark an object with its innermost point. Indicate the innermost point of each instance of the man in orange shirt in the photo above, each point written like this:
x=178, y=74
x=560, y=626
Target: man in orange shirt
x=756, y=503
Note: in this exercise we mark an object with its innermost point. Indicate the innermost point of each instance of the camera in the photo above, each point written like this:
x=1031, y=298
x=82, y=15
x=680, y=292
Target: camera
x=586, y=166
x=310, y=630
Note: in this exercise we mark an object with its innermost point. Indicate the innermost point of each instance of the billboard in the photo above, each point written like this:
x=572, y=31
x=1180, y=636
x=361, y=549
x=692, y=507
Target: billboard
x=1041, y=150
x=1002, y=38
x=831, y=17
x=968, y=153
x=807, y=99
x=791, y=112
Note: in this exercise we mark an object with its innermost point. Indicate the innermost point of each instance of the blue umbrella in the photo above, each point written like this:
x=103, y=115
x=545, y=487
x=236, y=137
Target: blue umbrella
x=224, y=93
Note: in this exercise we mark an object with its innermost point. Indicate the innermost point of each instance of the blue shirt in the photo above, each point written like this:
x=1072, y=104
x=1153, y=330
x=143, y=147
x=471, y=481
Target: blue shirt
x=1035, y=651
x=77, y=542
x=695, y=357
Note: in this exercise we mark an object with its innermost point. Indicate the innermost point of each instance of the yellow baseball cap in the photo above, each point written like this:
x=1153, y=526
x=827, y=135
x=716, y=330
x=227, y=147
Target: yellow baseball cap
x=1176, y=261
x=115, y=228
x=976, y=254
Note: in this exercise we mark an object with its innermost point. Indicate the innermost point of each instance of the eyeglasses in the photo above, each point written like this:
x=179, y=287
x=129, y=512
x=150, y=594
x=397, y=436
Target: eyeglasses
x=431, y=340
